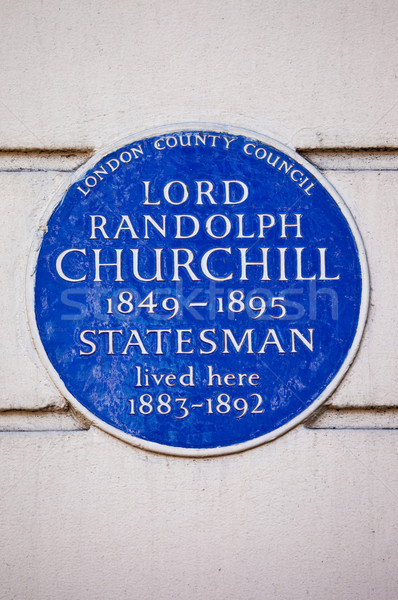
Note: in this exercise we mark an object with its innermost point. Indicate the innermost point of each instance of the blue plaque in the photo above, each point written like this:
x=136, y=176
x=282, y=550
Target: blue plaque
x=198, y=290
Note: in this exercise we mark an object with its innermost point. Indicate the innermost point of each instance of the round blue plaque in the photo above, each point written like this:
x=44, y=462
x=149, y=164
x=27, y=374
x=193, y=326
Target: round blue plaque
x=198, y=290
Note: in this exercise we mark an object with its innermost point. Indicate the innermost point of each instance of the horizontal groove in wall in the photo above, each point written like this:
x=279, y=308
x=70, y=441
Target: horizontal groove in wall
x=330, y=418
x=353, y=160
x=43, y=160
x=23, y=420
x=355, y=418
x=330, y=159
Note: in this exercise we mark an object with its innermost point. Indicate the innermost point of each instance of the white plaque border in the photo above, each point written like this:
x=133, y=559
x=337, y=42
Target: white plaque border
x=153, y=446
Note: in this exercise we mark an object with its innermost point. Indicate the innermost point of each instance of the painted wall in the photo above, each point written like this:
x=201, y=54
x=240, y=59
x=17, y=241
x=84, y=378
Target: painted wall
x=310, y=515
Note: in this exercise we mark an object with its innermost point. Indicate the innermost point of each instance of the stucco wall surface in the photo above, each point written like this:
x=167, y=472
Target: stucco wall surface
x=313, y=73
x=370, y=382
x=312, y=515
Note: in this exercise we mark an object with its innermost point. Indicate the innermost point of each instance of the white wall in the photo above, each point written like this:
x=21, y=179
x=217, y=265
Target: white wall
x=311, y=515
